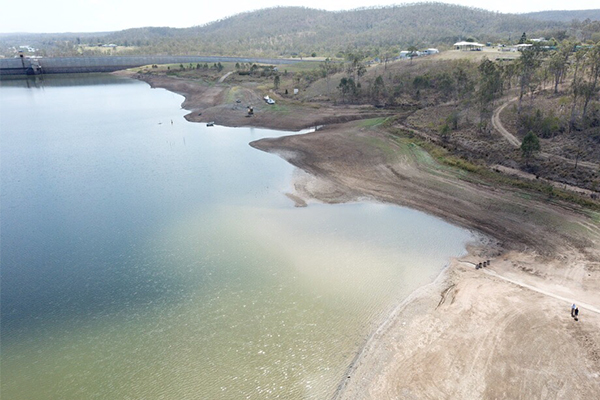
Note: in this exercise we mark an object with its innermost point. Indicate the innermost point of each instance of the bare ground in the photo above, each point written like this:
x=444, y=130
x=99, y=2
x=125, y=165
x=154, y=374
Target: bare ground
x=473, y=336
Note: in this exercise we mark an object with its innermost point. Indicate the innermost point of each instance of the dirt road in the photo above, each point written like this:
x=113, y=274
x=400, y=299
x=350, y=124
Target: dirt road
x=497, y=124
x=515, y=142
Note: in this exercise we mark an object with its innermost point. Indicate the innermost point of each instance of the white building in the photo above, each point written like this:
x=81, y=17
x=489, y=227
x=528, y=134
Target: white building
x=429, y=52
x=469, y=46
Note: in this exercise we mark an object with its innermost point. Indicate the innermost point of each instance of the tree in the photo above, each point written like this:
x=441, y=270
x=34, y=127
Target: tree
x=445, y=132
x=356, y=66
x=326, y=68
x=464, y=84
x=490, y=86
x=523, y=38
x=558, y=64
x=527, y=66
x=347, y=87
x=590, y=89
x=388, y=55
x=378, y=88
x=576, y=85
x=530, y=145
x=412, y=52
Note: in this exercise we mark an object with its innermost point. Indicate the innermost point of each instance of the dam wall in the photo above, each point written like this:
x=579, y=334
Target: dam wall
x=71, y=65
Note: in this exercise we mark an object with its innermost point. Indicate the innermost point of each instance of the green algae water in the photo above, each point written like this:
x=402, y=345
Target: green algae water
x=145, y=257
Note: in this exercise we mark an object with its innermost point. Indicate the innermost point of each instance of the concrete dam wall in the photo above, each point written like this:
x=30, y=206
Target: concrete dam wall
x=70, y=65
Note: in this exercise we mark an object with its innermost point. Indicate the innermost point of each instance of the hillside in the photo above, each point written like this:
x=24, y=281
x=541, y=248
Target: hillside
x=296, y=30
x=564, y=15
x=290, y=31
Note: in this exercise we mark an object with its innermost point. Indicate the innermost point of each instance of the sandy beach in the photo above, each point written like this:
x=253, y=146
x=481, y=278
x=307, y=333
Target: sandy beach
x=500, y=332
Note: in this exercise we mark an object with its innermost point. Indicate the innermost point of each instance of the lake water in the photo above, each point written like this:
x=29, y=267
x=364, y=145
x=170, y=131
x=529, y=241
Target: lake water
x=144, y=259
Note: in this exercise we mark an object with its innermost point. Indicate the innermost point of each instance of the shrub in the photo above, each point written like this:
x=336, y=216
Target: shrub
x=421, y=82
x=543, y=126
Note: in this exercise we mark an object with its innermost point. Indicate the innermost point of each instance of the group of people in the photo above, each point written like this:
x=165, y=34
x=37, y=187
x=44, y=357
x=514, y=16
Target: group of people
x=574, y=312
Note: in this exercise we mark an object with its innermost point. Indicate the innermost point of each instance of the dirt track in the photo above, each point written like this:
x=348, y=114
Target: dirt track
x=514, y=141
x=497, y=124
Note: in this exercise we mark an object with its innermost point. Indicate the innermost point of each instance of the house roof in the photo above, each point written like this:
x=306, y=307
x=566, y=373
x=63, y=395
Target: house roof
x=475, y=44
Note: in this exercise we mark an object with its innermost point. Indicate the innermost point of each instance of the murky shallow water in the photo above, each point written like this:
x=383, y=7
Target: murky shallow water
x=148, y=259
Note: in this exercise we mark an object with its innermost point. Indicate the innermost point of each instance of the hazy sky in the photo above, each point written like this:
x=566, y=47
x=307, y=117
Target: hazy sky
x=110, y=15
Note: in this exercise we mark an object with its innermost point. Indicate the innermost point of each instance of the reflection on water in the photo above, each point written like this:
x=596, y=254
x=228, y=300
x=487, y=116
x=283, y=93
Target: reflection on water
x=58, y=80
x=144, y=258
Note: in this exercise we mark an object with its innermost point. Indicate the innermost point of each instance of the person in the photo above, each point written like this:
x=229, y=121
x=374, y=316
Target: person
x=573, y=307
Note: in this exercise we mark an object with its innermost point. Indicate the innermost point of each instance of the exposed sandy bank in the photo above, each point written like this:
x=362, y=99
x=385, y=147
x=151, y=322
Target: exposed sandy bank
x=474, y=336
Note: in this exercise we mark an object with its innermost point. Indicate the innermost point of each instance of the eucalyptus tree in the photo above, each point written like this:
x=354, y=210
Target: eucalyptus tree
x=590, y=88
x=490, y=87
x=577, y=84
x=527, y=65
x=558, y=63
x=326, y=68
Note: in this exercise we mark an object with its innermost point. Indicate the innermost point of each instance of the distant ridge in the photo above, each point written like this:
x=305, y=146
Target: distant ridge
x=292, y=31
x=565, y=15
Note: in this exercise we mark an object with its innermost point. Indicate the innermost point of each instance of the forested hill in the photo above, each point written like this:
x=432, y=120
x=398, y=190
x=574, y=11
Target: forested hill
x=564, y=15
x=289, y=30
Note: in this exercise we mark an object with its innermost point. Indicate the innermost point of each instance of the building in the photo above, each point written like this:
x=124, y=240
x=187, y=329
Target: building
x=429, y=52
x=469, y=46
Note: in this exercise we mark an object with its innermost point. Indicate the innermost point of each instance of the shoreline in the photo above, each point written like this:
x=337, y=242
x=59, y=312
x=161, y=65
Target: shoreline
x=553, y=248
x=218, y=103
x=371, y=339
